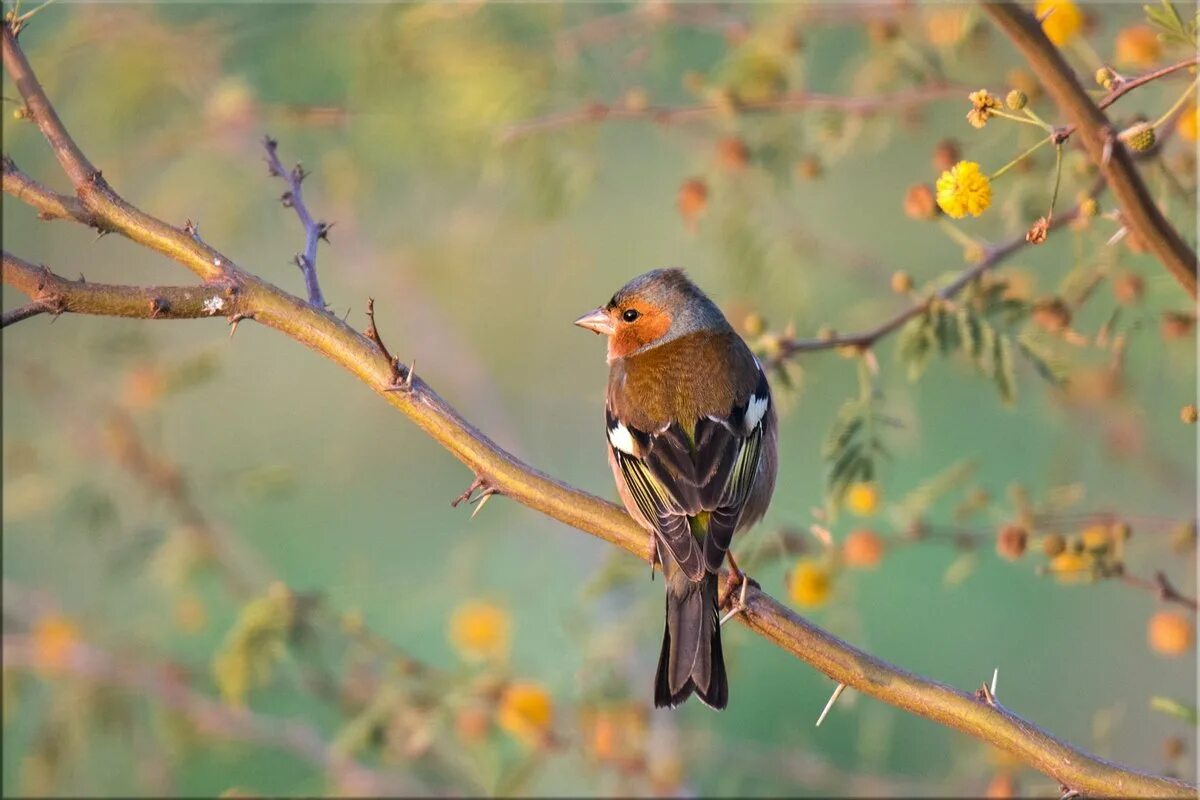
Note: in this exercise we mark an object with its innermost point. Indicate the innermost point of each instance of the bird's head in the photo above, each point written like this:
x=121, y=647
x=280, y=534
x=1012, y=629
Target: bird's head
x=652, y=309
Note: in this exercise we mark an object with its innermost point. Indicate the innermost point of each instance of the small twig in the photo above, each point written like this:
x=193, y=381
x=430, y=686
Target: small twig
x=470, y=490
x=792, y=101
x=1124, y=87
x=865, y=339
x=26, y=311
x=314, y=231
x=1161, y=587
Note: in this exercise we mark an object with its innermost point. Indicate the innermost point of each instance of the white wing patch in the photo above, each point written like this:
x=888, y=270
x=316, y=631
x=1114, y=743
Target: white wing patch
x=755, y=410
x=620, y=438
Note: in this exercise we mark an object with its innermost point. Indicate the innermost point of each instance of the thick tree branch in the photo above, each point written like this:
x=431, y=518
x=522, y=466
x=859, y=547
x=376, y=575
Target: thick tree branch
x=842, y=662
x=57, y=295
x=1138, y=209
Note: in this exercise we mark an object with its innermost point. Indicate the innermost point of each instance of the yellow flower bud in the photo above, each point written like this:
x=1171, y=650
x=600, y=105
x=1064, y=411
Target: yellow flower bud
x=1139, y=137
x=1016, y=100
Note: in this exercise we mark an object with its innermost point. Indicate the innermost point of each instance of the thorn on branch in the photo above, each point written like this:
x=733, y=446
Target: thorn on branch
x=841, y=687
x=987, y=694
x=485, y=492
x=323, y=230
x=234, y=321
x=372, y=333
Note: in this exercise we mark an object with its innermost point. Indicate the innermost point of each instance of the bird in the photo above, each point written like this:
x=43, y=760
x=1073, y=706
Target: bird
x=691, y=436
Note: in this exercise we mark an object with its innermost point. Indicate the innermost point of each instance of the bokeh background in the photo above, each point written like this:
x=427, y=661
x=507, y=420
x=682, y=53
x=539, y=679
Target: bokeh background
x=248, y=520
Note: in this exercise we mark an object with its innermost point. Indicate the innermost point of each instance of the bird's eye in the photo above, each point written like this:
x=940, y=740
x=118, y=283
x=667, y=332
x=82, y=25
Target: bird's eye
x=630, y=315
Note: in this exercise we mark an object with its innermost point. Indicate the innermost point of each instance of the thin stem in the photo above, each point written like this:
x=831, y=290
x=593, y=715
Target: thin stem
x=1183, y=98
x=1015, y=118
x=1058, y=151
x=1021, y=158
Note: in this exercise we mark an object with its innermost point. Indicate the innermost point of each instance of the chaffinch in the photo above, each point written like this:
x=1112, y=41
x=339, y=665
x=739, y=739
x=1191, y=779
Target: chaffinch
x=692, y=445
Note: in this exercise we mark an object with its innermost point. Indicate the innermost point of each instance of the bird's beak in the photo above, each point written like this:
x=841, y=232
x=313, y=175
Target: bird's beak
x=598, y=321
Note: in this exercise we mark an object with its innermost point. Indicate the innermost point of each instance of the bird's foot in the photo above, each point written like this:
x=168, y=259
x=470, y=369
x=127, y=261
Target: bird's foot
x=654, y=558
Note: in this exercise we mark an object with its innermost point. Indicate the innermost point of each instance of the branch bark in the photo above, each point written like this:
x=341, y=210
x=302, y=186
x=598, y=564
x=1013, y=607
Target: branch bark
x=57, y=295
x=359, y=355
x=1138, y=209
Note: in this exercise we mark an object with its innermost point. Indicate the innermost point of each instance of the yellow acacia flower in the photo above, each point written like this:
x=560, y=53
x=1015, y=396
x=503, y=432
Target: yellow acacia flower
x=963, y=190
x=982, y=104
x=809, y=584
x=526, y=712
x=480, y=631
x=863, y=499
x=1061, y=20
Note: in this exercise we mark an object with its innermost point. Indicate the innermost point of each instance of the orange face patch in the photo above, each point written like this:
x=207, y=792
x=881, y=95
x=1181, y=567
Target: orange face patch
x=650, y=325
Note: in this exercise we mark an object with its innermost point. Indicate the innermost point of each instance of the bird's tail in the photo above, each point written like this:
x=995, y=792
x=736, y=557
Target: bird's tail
x=691, y=658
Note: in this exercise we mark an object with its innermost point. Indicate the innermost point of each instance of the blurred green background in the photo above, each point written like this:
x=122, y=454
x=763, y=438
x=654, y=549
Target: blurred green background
x=479, y=251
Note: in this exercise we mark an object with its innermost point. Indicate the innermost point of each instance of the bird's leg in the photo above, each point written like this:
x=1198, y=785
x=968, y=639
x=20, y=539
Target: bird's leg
x=736, y=576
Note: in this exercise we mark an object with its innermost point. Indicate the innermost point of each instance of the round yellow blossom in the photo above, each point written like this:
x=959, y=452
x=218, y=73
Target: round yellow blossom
x=964, y=190
x=1061, y=20
x=809, y=584
x=863, y=499
x=54, y=637
x=480, y=631
x=526, y=712
x=1189, y=124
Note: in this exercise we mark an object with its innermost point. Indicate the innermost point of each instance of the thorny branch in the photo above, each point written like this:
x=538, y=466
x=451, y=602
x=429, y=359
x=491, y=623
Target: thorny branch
x=1141, y=214
x=360, y=355
x=314, y=231
x=993, y=256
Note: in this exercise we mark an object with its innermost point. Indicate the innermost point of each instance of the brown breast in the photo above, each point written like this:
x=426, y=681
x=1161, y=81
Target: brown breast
x=683, y=380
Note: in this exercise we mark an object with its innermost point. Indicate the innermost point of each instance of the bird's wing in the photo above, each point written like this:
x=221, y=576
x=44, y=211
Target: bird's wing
x=735, y=442
x=673, y=477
